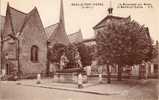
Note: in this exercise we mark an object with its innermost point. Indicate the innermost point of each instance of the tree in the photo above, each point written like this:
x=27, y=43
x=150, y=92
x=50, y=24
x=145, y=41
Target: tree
x=153, y=53
x=55, y=52
x=123, y=44
x=72, y=55
x=93, y=52
x=85, y=54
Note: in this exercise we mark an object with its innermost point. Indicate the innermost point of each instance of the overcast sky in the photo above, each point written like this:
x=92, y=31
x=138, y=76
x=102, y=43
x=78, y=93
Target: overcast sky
x=77, y=17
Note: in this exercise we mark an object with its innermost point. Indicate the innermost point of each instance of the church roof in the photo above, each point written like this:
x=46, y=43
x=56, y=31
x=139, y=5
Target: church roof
x=15, y=20
x=109, y=17
x=50, y=29
x=33, y=12
x=58, y=35
x=75, y=37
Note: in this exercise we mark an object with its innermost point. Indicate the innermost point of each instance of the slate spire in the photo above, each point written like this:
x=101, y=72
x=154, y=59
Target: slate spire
x=62, y=21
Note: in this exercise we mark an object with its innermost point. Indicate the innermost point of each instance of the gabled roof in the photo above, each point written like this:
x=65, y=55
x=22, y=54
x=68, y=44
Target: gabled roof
x=75, y=37
x=58, y=36
x=27, y=17
x=50, y=29
x=109, y=17
x=15, y=20
x=57, y=32
x=33, y=19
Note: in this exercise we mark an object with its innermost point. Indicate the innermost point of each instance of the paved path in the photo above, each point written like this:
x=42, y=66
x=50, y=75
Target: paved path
x=11, y=91
x=144, y=90
x=115, y=88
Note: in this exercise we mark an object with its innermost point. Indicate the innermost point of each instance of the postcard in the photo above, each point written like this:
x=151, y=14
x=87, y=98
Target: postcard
x=79, y=49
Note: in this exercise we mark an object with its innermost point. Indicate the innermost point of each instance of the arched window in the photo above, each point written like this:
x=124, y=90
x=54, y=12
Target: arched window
x=34, y=53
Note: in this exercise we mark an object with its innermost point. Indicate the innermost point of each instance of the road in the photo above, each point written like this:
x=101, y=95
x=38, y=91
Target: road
x=12, y=91
x=147, y=90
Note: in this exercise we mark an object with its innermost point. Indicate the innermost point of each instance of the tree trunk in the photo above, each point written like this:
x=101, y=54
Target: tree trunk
x=119, y=72
x=108, y=73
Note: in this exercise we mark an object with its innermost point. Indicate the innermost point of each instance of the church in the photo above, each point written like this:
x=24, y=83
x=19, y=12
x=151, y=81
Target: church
x=56, y=33
x=25, y=41
x=23, y=44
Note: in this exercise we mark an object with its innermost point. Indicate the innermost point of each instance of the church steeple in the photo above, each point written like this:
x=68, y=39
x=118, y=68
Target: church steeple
x=60, y=36
x=61, y=20
x=110, y=9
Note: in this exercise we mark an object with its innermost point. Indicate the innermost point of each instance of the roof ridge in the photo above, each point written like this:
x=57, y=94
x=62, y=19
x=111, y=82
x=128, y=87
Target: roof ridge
x=18, y=10
x=27, y=17
x=74, y=33
x=55, y=33
x=118, y=17
x=31, y=12
x=9, y=11
x=109, y=16
x=36, y=11
x=52, y=25
x=10, y=18
x=65, y=34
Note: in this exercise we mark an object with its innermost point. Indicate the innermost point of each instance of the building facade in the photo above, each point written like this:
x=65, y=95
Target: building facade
x=103, y=26
x=24, y=43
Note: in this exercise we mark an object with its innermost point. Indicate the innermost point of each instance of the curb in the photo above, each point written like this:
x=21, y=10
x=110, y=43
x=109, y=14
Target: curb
x=72, y=90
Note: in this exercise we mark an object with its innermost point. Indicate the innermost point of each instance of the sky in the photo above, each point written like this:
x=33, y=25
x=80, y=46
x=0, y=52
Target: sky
x=78, y=17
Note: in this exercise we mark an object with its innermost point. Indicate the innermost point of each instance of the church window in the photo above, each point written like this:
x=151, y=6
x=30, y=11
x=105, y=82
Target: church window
x=34, y=53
